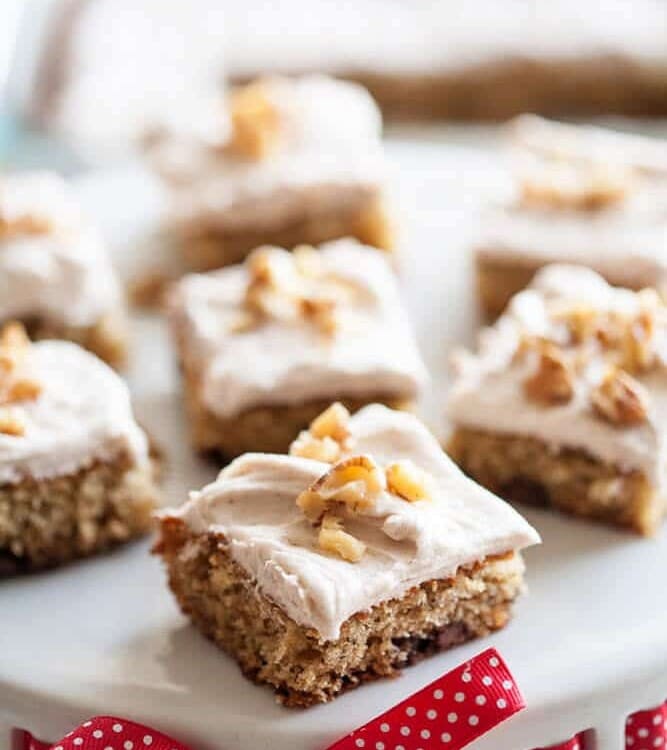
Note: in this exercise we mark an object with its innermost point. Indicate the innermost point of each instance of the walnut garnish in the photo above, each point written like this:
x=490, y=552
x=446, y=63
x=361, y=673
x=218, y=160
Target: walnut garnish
x=333, y=538
x=323, y=449
x=321, y=311
x=620, y=399
x=581, y=188
x=408, y=481
x=638, y=352
x=15, y=386
x=256, y=130
x=25, y=224
x=332, y=422
x=553, y=381
x=354, y=482
x=11, y=423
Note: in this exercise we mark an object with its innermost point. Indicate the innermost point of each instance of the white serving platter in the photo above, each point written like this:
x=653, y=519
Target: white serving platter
x=587, y=646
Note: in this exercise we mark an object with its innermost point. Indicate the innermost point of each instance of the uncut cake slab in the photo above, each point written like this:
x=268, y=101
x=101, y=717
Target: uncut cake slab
x=105, y=636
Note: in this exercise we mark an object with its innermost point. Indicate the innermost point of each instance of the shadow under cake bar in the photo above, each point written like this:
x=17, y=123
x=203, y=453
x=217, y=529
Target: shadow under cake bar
x=318, y=576
x=564, y=403
x=264, y=347
x=581, y=195
x=55, y=276
x=75, y=475
x=294, y=161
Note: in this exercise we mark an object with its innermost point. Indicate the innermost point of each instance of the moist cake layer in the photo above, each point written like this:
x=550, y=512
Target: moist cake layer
x=253, y=506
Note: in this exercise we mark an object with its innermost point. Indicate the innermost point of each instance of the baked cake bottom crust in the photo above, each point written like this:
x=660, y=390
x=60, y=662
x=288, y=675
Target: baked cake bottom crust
x=106, y=338
x=224, y=603
x=526, y=470
x=363, y=218
x=499, y=280
x=46, y=522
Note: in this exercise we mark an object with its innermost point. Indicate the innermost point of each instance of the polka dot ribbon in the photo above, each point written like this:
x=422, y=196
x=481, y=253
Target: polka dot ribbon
x=449, y=713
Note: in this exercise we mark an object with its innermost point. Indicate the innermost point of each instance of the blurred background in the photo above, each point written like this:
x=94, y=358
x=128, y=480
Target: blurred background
x=84, y=81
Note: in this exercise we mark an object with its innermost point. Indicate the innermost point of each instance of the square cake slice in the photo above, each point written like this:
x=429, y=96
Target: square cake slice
x=580, y=195
x=55, y=275
x=296, y=161
x=75, y=475
x=565, y=401
x=317, y=575
x=266, y=346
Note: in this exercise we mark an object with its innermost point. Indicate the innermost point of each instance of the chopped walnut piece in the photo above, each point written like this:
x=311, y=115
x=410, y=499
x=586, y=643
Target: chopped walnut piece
x=11, y=424
x=581, y=320
x=22, y=225
x=256, y=131
x=333, y=538
x=620, y=399
x=638, y=353
x=14, y=386
x=332, y=422
x=321, y=311
x=323, y=449
x=565, y=186
x=553, y=381
x=355, y=482
x=408, y=481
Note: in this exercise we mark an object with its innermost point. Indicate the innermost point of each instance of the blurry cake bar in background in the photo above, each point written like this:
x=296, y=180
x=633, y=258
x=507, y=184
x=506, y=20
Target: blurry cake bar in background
x=319, y=574
x=463, y=60
x=108, y=70
x=266, y=346
x=298, y=161
x=75, y=476
x=581, y=195
x=565, y=402
x=55, y=275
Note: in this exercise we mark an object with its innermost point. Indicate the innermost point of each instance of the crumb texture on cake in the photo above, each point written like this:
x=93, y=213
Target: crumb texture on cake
x=526, y=470
x=46, y=522
x=304, y=669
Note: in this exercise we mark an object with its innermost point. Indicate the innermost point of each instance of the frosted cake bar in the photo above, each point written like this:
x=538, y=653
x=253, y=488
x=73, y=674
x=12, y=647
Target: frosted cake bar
x=55, y=275
x=317, y=576
x=581, y=195
x=266, y=346
x=564, y=403
x=295, y=161
x=75, y=476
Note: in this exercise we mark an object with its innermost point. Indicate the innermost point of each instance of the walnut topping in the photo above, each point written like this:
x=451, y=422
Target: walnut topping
x=256, y=131
x=15, y=386
x=324, y=439
x=620, y=399
x=289, y=287
x=333, y=538
x=408, y=481
x=553, y=381
x=333, y=423
x=11, y=423
x=581, y=188
x=354, y=482
x=24, y=224
x=323, y=449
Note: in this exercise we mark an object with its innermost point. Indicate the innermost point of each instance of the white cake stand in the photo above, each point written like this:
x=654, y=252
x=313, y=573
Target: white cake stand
x=588, y=644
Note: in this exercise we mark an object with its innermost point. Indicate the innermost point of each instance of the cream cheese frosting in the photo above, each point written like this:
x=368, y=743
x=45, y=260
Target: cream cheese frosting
x=253, y=504
x=626, y=241
x=372, y=352
x=59, y=270
x=488, y=393
x=330, y=142
x=83, y=414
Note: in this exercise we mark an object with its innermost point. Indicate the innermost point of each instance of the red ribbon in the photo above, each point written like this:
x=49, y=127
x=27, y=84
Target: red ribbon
x=451, y=712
